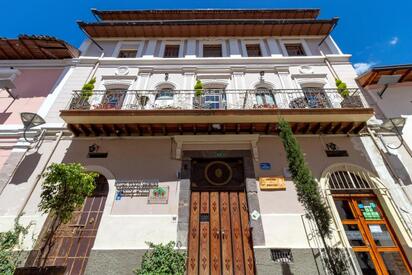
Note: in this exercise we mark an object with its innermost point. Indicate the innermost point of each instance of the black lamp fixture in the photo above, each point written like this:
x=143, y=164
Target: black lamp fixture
x=262, y=74
x=166, y=76
x=31, y=120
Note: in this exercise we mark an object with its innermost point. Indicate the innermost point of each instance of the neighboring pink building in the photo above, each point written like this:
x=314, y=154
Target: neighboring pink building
x=31, y=68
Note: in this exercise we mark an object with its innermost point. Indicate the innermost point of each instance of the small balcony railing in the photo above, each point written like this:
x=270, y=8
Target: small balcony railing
x=313, y=98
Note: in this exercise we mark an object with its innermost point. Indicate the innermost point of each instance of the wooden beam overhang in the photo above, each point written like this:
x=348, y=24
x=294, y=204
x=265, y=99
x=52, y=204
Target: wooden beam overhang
x=181, y=122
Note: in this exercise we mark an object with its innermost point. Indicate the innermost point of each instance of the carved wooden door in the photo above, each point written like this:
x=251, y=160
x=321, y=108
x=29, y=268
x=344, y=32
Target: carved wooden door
x=219, y=234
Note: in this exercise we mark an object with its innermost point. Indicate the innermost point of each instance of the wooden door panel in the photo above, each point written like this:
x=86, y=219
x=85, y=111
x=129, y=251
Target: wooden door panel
x=204, y=235
x=225, y=233
x=215, y=234
x=236, y=234
x=193, y=259
x=246, y=234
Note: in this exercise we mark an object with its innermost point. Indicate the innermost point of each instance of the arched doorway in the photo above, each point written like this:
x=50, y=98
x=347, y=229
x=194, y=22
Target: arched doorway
x=72, y=242
x=355, y=195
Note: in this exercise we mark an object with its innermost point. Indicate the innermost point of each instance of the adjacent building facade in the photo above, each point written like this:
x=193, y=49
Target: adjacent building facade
x=203, y=166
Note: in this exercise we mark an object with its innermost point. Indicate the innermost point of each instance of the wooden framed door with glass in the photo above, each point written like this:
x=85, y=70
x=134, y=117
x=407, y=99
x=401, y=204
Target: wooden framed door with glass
x=376, y=247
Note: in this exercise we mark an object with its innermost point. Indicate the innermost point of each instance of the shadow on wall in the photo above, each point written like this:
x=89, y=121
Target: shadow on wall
x=26, y=168
x=286, y=269
x=399, y=168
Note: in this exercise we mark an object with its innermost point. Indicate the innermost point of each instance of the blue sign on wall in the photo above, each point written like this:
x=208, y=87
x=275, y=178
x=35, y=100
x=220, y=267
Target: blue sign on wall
x=265, y=166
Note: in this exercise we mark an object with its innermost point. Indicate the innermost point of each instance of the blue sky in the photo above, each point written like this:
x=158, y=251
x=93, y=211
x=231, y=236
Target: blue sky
x=374, y=32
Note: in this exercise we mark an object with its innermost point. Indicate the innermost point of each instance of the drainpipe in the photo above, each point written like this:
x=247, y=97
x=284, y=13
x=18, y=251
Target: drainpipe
x=59, y=136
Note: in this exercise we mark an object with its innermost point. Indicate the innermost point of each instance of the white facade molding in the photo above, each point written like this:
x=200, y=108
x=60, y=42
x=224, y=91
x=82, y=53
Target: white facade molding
x=252, y=140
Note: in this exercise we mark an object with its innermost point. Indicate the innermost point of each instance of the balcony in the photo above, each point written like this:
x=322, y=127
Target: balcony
x=166, y=112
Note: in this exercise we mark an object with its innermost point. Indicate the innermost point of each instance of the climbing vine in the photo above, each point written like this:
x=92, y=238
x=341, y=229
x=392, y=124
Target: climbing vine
x=10, y=244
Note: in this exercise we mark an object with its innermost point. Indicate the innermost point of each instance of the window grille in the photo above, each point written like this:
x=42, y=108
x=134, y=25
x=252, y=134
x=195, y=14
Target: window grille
x=282, y=255
x=349, y=181
x=295, y=50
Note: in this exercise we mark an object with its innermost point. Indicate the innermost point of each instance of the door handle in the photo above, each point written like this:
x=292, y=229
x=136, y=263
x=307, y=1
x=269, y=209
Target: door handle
x=223, y=235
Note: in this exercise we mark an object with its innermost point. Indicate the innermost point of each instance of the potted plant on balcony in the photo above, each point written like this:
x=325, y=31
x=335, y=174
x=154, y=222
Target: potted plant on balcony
x=198, y=94
x=349, y=101
x=85, y=93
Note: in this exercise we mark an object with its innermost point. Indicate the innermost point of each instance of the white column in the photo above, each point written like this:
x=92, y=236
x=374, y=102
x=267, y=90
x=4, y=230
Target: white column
x=274, y=48
x=191, y=49
x=150, y=50
x=189, y=79
x=234, y=48
x=235, y=101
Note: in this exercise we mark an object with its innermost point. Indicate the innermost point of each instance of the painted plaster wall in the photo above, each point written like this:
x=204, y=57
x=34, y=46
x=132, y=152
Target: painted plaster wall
x=4, y=154
x=32, y=87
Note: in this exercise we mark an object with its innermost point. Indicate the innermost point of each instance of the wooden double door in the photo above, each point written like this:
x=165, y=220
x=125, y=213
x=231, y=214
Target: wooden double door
x=220, y=240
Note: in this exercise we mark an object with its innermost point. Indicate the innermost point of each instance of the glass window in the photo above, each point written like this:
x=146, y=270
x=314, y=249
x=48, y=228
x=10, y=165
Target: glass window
x=365, y=263
x=171, y=51
x=165, y=94
x=264, y=97
x=212, y=50
x=394, y=264
x=315, y=97
x=343, y=207
x=369, y=209
x=213, y=99
x=354, y=235
x=113, y=98
x=127, y=53
x=295, y=49
x=253, y=50
x=381, y=235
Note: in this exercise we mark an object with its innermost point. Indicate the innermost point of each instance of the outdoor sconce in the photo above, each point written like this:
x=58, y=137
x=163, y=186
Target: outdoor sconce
x=166, y=76
x=31, y=120
x=94, y=152
x=262, y=74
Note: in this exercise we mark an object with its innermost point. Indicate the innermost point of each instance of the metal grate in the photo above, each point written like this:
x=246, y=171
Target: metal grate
x=345, y=180
x=282, y=255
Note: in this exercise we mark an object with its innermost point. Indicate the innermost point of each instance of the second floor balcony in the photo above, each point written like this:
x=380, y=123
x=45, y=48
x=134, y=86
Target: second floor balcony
x=213, y=106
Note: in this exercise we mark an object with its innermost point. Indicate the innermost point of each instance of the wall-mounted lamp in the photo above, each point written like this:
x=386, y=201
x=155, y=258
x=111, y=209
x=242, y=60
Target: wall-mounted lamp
x=262, y=74
x=31, y=120
x=166, y=76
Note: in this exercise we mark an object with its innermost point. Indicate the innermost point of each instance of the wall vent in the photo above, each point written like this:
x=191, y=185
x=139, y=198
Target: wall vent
x=282, y=255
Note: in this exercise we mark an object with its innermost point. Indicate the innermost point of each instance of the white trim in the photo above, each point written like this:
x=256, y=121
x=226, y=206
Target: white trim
x=171, y=42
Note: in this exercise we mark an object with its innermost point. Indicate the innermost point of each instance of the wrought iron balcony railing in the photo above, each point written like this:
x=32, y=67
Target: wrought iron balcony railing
x=211, y=99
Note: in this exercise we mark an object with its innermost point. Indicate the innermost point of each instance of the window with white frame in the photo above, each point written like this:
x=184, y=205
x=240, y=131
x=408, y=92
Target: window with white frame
x=128, y=51
x=164, y=97
x=253, y=50
x=295, y=49
x=265, y=98
x=171, y=51
x=212, y=50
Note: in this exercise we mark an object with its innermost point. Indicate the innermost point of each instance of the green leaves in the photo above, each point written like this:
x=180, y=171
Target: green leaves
x=9, y=242
x=64, y=189
x=162, y=260
x=87, y=89
x=198, y=88
x=342, y=88
x=306, y=186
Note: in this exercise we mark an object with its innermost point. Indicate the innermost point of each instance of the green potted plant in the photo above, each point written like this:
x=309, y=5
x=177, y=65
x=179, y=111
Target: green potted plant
x=198, y=94
x=349, y=101
x=82, y=100
x=87, y=89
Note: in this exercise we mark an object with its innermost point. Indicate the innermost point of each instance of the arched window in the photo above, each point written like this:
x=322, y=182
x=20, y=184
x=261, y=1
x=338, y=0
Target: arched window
x=164, y=96
x=264, y=98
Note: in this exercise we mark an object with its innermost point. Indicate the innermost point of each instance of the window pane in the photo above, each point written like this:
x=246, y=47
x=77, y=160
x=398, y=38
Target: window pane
x=365, y=263
x=253, y=50
x=171, y=51
x=380, y=235
x=343, y=207
x=127, y=53
x=354, y=235
x=369, y=209
x=394, y=264
x=269, y=99
x=259, y=99
x=295, y=50
x=212, y=51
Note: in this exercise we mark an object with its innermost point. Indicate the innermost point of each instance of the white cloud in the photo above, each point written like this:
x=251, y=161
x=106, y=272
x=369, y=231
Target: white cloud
x=394, y=41
x=360, y=68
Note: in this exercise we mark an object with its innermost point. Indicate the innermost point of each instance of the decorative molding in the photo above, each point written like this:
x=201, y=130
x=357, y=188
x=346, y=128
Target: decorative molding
x=122, y=70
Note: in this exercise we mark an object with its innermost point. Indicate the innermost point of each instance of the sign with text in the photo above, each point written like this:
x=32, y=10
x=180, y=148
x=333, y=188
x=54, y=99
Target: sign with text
x=272, y=183
x=135, y=188
x=265, y=166
x=158, y=195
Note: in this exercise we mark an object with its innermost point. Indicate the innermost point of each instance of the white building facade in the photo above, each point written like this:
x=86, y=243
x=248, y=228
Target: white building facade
x=211, y=149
